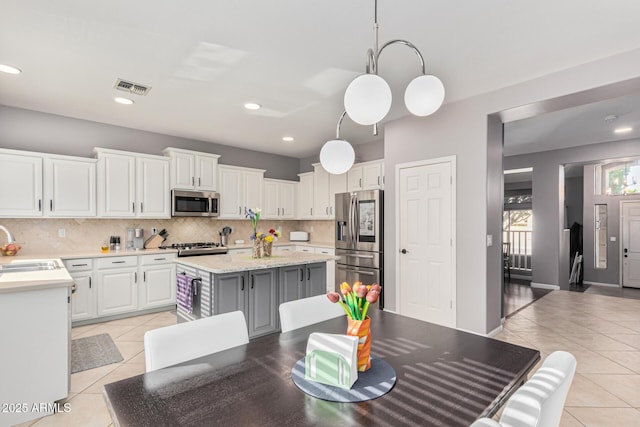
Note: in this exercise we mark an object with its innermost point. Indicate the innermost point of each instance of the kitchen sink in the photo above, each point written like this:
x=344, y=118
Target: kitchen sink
x=28, y=266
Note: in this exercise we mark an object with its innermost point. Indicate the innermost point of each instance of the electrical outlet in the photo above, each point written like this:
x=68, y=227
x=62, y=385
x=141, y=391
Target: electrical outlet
x=154, y=230
x=62, y=232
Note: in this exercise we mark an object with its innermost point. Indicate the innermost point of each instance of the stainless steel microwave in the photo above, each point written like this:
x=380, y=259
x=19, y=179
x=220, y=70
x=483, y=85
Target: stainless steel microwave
x=195, y=203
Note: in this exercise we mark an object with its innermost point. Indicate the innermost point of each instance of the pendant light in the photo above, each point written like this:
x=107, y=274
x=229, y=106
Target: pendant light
x=337, y=156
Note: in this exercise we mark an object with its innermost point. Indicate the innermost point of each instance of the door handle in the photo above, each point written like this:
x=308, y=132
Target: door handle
x=39, y=205
x=135, y=277
x=89, y=282
x=51, y=205
x=144, y=276
x=359, y=256
x=366, y=273
x=193, y=181
x=199, y=182
x=301, y=274
x=252, y=280
x=242, y=286
x=141, y=207
x=308, y=274
x=404, y=251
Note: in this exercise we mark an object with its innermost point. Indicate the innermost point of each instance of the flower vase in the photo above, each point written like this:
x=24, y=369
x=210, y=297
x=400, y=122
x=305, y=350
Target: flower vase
x=361, y=329
x=257, y=248
x=267, y=248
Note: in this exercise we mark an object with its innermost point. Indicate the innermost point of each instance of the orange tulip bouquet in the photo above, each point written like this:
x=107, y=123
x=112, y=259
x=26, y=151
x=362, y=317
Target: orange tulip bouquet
x=355, y=302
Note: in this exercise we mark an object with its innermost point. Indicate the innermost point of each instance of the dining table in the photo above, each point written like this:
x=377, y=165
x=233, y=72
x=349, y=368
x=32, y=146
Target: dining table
x=444, y=377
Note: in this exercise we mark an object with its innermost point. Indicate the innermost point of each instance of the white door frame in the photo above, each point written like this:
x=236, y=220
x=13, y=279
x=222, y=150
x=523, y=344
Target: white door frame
x=445, y=159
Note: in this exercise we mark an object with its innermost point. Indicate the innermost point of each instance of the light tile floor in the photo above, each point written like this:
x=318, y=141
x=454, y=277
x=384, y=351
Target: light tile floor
x=88, y=408
x=603, y=333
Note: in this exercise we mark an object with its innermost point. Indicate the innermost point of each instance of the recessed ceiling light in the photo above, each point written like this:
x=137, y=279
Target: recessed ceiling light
x=252, y=106
x=9, y=69
x=287, y=138
x=124, y=101
x=623, y=130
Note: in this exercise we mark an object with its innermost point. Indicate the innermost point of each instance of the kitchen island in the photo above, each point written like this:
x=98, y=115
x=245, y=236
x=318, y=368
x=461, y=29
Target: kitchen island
x=35, y=326
x=255, y=286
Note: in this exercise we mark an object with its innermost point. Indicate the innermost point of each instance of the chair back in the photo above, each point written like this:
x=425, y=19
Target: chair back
x=307, y=311
x=539, y=402
x=186, y=341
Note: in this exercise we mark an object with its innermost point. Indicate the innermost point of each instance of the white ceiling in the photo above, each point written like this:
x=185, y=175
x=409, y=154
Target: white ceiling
x=205, y=58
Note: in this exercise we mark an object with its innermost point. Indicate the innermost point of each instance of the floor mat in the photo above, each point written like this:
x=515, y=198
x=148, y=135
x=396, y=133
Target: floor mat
x=93, y=352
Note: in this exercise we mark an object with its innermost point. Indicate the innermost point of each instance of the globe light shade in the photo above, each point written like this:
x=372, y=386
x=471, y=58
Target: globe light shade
x=424, y=95
x=337, y=156
x=367, y=99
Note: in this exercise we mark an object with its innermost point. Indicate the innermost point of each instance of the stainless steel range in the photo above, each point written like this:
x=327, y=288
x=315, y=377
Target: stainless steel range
x=200, y=248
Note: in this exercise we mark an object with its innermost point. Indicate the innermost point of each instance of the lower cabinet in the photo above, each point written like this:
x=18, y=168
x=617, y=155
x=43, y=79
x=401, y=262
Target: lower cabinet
x=117, y=290
x=255, y=293
x=158, y=286
x=302, y=281
x=83, y=298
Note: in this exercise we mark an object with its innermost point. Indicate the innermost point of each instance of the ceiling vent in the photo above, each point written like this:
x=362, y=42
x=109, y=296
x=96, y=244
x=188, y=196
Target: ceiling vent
x=135, y=88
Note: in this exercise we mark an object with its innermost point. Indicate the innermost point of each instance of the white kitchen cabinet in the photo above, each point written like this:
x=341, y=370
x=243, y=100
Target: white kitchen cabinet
x=326, y=186
x=132, y=185
x=279, y=199
x=240, y=189
x=69, y=187
x=366, y=176
x=83, y=299
x=21, y=187
x=117, y=280
x=305, y=195
x=192, y=170
x=158, y=286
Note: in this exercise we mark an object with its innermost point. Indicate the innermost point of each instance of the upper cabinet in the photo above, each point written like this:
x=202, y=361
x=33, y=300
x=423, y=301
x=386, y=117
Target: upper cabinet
x=46, y=185
x=279, y=199
x=192, y=170
x=305, y=195
x=132, y=185
x=240, y=189
x=366, y=176
x=325, y=187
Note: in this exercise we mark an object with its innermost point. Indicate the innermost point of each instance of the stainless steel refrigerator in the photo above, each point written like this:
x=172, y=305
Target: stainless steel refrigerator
x=359, y=238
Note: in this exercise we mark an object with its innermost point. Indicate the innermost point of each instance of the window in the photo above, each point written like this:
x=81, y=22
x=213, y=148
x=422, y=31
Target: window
x=618, y=179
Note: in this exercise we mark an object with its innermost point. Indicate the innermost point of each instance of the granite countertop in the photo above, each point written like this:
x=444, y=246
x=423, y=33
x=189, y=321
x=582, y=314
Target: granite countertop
x=33, y=280
x=248, y=244
x=83, y=254
x=241, y=262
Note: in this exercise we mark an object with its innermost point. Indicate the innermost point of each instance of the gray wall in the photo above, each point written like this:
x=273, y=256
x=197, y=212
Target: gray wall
x=547, y=199
x=373, y=150
x=49, y=133
x=461, y=129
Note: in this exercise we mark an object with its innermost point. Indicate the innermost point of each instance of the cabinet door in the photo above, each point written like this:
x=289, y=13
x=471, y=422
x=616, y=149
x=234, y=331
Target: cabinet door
x=158, y=286
x=230, y=292
x=116, y=185
x=252, y=188
x=337, y=185
x=82, y=300
x=320, y=193
x=207, y=173
x=70, y=188
x=372, y=176
x=316, y=279
x=354, y=179
x=271, y=208
x=288, y=200
x=117, y=291
x=305, y=196
x=153, y=188
x=183, y=167
x=263, y=303
x=291, y=283
x=230, y=196
x=21, y=189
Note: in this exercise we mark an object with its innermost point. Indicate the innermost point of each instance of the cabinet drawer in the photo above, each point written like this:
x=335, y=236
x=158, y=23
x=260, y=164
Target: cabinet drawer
x=326, y=251
x=82, y=264
x=118, y=262
x=157, y=259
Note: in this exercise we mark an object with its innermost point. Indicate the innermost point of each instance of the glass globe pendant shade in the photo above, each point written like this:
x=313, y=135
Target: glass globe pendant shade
x=367, y=99
x=337, y=156
x=424, y=95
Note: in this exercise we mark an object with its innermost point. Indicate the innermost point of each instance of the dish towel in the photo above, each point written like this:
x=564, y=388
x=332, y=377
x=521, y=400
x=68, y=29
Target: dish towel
x=185, y=292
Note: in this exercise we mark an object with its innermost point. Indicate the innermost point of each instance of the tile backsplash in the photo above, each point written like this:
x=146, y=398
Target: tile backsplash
x=85, y=234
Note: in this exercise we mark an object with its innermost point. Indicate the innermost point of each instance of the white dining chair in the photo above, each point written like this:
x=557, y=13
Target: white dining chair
x=185, y=341
x=307, y=311
x=540, y=400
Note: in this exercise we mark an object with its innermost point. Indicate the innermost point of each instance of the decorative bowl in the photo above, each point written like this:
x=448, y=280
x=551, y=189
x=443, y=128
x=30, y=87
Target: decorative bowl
x=10, y=249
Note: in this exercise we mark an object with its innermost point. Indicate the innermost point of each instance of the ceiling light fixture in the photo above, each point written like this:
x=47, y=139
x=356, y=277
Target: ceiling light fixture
x=623, y=130
x=252, y=106
x=287, y=138
x=123, y=101
x=9, y=69
x=337, y=156
x=367, y=99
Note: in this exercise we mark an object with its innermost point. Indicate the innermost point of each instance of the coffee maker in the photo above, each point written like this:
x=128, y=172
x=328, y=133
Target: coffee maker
x=138, y=239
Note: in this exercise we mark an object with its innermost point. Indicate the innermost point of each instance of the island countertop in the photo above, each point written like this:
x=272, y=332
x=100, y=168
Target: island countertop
x=229, y=263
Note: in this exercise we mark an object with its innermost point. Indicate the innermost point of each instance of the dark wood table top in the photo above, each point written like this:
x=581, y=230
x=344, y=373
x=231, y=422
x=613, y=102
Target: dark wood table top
x=446, y=377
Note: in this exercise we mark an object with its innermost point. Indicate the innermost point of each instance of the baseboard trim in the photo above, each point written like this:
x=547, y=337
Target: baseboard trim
x=492, y=333
x=520, y=276
x=496, y=331
x=608, y=285
x=545, y=286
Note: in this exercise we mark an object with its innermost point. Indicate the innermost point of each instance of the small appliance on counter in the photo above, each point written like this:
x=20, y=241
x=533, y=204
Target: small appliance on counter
x=298, y=236
x=138, y=239
x=224, y=235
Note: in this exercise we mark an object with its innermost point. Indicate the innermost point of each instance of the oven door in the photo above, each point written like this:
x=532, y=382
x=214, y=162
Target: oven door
x=368, y=276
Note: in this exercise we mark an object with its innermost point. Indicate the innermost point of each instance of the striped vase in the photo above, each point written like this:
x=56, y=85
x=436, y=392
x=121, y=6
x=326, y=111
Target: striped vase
x=361, y=329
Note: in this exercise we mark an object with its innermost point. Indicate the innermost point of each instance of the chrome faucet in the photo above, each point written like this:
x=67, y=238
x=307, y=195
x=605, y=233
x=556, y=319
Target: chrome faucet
x=10, y=238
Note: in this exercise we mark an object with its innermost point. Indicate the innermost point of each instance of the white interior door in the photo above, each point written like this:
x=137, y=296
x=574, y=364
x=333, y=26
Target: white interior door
x=425, y=259
x=630, y=244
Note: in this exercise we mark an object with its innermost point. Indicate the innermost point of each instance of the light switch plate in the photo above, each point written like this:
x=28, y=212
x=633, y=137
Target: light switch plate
x=489, y=240
x=62, y=232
